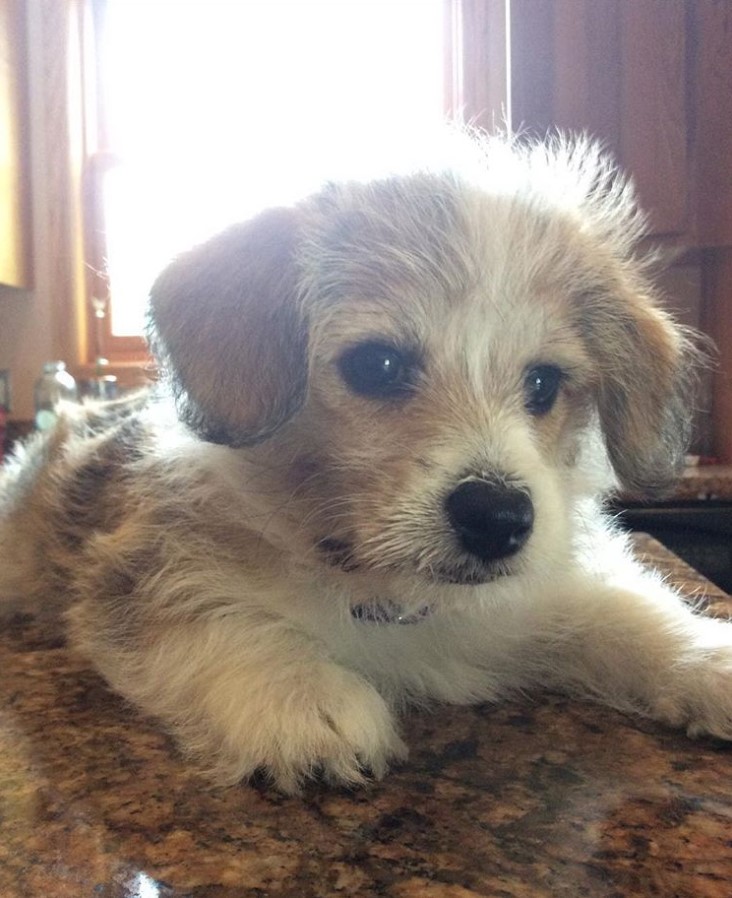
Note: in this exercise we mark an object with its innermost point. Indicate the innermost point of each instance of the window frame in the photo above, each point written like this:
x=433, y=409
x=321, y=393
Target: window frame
x=118, y=350
x=475, y=91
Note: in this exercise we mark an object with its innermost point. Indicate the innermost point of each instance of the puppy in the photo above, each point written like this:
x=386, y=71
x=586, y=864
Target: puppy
x=391, y=411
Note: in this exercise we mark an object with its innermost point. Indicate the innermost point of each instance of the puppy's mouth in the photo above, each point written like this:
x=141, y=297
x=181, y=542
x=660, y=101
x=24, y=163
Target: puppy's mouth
x=467, y=575
x=340, y=553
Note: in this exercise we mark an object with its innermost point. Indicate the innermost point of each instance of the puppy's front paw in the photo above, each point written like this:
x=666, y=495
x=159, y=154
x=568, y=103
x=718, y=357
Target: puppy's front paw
x=700, y=697
x=325, y=720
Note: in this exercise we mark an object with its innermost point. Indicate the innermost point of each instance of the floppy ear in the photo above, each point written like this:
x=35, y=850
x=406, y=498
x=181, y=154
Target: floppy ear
x=647, y=371
x=224, y=320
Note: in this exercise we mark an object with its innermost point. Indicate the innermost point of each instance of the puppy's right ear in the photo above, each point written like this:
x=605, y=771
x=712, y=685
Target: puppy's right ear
x=225, y=322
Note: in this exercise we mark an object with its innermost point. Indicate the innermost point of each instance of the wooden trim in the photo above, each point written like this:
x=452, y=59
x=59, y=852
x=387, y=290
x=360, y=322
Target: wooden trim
x=16, y=267
x=63, y=133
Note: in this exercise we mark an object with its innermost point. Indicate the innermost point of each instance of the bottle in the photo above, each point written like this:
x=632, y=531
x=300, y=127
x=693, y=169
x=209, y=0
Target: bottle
x=103, y=386
x=54, y=386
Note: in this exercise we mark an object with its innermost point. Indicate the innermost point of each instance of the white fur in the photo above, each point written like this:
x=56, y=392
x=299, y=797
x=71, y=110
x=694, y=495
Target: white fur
x=203, y=595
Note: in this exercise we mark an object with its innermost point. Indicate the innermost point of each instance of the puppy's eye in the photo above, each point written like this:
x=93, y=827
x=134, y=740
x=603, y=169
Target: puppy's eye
x=541, y=388
x=375, y=370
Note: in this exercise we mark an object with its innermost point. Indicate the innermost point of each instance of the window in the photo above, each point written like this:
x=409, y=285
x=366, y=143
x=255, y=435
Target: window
x=208, y=110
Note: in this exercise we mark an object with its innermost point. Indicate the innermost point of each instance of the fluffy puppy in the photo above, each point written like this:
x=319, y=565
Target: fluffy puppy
x=396, y=405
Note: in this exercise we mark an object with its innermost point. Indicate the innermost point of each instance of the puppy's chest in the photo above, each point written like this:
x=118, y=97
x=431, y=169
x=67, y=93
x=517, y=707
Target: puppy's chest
x=349, y=617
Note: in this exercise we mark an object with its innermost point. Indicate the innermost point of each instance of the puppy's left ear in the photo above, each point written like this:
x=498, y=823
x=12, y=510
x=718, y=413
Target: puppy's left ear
x=225, y=321
x=645, y=392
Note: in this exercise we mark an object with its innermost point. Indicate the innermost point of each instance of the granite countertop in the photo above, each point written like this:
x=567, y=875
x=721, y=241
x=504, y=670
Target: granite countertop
x=697, y=483
x=705, y=482
x=531, y=799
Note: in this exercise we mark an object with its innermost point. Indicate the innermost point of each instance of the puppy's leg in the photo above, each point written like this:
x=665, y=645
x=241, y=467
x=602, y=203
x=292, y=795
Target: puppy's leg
x=637, y=646
x=247, y=691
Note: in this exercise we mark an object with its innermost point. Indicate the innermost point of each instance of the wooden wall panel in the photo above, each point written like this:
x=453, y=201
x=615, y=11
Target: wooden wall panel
x=616, y=69
x=718, y=324
x=587, y=86
x=712, y=117
x=654, y=131
x=476, y=70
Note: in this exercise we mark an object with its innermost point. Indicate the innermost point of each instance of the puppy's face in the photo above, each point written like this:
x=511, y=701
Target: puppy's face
x=445, y=394
x=418, y=365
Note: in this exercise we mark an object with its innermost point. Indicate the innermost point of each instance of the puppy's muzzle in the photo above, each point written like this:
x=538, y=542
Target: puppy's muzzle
x=491, y=520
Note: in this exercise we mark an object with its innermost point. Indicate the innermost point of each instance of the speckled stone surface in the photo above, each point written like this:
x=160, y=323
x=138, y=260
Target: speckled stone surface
x=543, y=798
x=705, y=482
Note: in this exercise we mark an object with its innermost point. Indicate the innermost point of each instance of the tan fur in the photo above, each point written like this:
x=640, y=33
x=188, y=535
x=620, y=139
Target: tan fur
x=277, y=569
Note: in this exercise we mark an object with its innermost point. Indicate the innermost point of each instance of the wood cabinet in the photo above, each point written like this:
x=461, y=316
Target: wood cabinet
x=710, y=120
x=653, y=79
x=617, y=69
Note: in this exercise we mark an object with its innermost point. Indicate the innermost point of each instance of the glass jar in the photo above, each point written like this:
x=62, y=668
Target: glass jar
x=54, y=386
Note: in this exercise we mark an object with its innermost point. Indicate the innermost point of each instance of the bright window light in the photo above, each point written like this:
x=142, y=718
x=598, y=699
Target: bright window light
x=217, y=109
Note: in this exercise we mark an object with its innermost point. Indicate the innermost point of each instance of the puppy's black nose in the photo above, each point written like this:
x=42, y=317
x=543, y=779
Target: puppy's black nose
x=492, y=521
